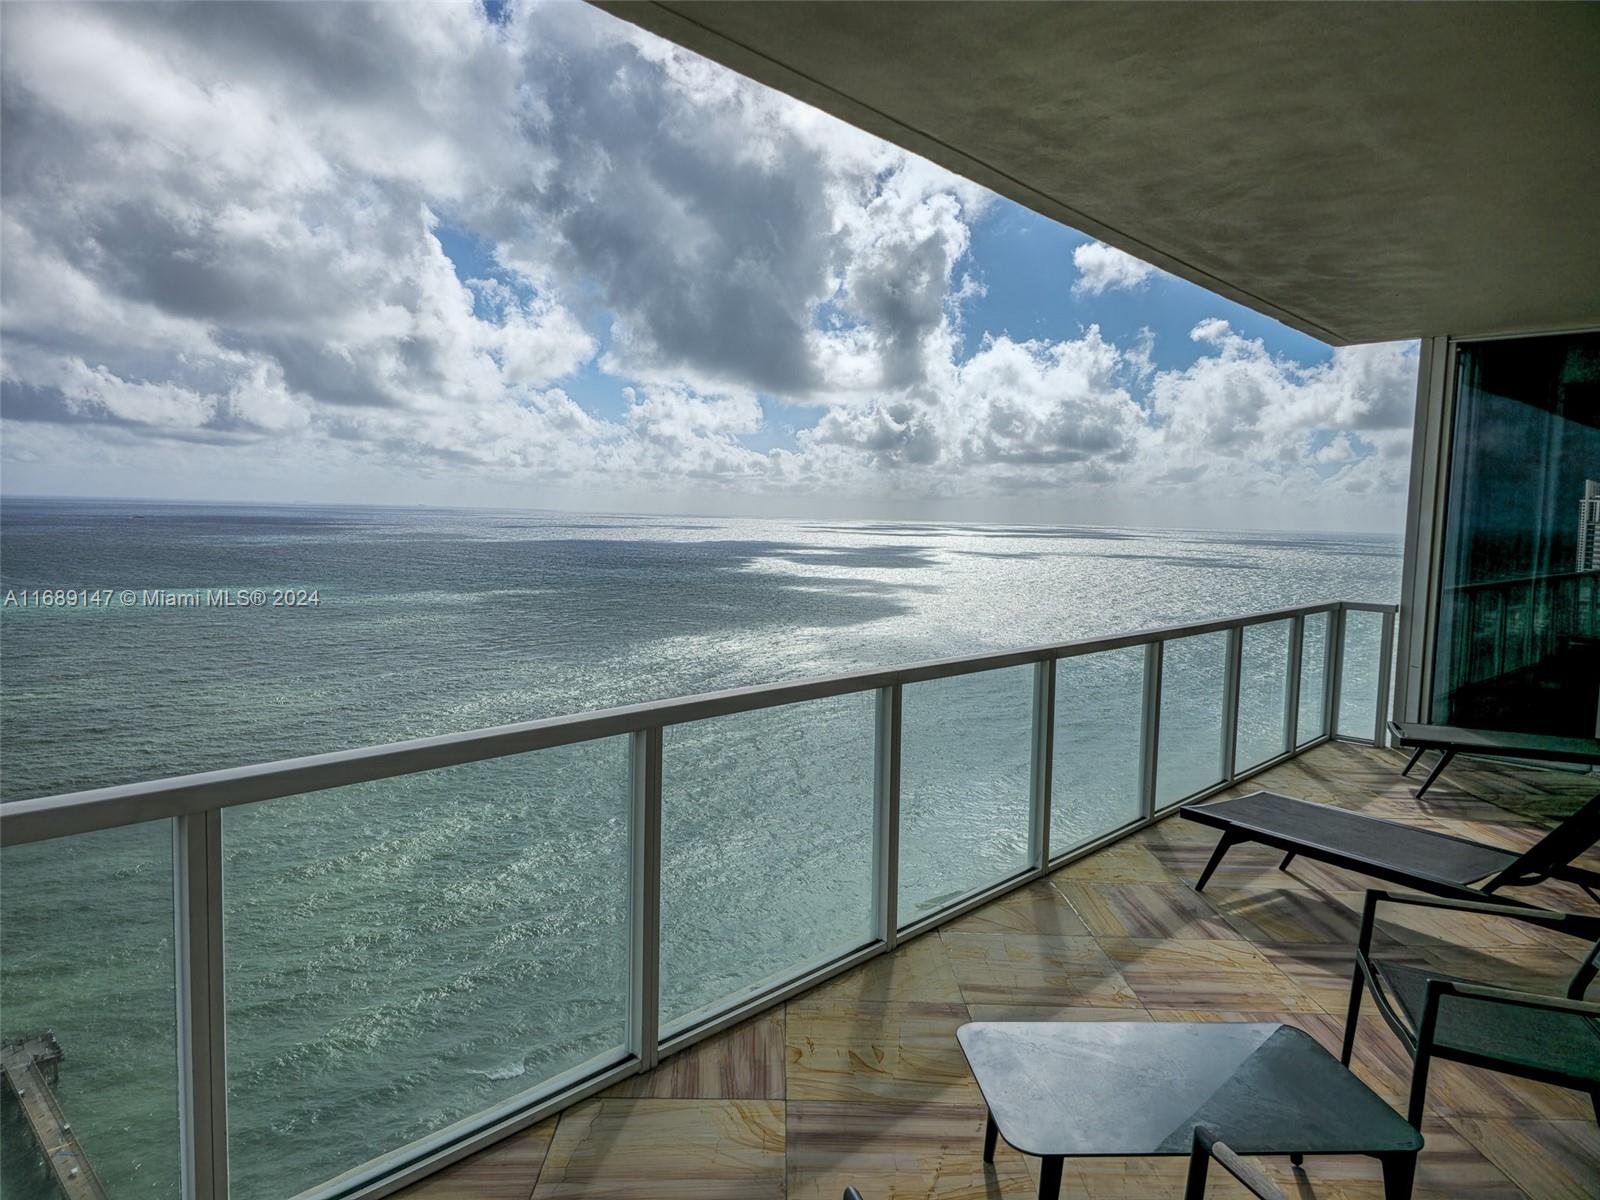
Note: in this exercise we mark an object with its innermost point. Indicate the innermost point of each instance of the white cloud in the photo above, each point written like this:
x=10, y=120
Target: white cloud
x=1103, y=268
x=234, y=242
x=1240, y=404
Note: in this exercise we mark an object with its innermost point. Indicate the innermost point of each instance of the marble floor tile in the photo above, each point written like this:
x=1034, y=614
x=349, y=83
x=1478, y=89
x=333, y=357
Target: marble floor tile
x=1037, y=908
x=1423, y=926
x=1204, y=974
x=1248, y=865
x=1146, y=910
x=1290, y=914
x=1176, y=830
x=1323, y=970
x=1131, y=1179
x=1398, y=804
x=506, y=1170
x=898, y=1152
x=1529, y=968
x=1549, y=1160
x=838, y=1050
x=1127, y=861
x=742, y=1063
x=1450, y=1167
x=1457, y=1090
x=666, y=1149
x=917, y=970
x=1016, y=968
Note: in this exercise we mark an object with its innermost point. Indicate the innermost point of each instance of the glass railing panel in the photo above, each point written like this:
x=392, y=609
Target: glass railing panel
x=966, y=747
x=405, y=954
x=1263, y=694
x=1312, y=719
x=766, y=857
x=1094, y=785
x=1189, y=750
x=1358, y=677
x=86, y=953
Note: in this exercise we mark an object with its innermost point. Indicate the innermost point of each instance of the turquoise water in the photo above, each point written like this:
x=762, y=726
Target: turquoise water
x=403, y=954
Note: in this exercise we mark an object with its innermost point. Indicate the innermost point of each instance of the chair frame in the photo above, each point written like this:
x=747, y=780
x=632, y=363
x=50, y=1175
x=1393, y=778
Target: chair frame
x=1420, y=1043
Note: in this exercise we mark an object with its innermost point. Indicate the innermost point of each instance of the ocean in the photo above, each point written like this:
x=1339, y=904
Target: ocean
x=401, y=955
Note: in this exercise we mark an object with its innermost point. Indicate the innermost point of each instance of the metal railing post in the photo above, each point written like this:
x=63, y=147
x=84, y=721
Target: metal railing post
x=1380, y=730
x=1044, y=723
x=1291, y=692
x=886, y=817
x=201, y=1033
x=1150, y=727
x=1231, y=671
x=1333, y=669
x=644, y=912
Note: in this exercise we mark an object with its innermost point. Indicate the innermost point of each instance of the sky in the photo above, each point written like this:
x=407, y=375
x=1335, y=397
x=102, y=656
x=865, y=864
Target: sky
x=531, y=256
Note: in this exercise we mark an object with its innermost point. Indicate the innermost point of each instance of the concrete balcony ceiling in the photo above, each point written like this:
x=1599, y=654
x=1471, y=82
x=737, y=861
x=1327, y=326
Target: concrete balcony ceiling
x=1362, y=172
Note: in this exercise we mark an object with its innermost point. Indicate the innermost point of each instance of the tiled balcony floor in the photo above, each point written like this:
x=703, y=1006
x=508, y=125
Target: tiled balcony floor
x=861, y=1081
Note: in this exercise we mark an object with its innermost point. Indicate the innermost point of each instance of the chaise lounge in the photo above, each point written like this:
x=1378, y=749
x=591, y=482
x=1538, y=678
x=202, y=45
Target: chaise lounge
x=1436, y=863
x=1450, y=740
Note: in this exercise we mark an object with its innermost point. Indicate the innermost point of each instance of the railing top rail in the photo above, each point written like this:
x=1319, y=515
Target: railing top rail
x=23, y=821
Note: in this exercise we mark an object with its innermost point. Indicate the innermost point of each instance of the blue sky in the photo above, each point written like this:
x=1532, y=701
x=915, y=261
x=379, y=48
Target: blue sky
x=1024, y=261
x=583, y=268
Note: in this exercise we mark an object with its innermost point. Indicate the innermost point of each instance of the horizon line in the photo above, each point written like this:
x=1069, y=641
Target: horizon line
x=699, y=516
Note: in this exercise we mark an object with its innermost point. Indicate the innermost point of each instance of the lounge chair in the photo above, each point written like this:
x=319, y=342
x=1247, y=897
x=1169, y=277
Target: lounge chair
x=1553, y=1039
x=1450, y=740
x=1423, y=859
x=1207, y=1147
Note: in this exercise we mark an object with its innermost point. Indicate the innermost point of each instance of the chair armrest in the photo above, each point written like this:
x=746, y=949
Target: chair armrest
x=1577, y=925
x=1511, y=997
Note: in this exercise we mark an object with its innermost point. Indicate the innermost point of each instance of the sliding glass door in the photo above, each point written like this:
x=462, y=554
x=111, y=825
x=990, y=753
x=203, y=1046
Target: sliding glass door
x=1519, y=602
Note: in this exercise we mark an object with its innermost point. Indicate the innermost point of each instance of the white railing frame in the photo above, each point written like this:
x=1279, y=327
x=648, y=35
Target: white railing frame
x=1291, y=691
x=195, y=803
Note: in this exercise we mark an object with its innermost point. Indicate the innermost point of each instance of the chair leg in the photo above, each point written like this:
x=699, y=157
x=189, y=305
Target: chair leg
x=1225, y=843
x=1419, y=1091
x=1444, y=760
x=1412, y=761
x=1352, y=1015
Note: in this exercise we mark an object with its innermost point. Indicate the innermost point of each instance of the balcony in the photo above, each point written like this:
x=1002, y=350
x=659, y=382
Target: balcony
x=793, y=1024
x=860, y=1080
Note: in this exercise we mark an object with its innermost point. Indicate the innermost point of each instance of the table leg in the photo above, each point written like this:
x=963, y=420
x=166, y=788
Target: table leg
x=1399, y=1170
x=991, y=1131
x=1050, y=1178
x=1413, y=760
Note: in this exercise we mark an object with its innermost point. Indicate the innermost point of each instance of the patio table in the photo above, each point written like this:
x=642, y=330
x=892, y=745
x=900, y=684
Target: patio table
x=1065, y=1089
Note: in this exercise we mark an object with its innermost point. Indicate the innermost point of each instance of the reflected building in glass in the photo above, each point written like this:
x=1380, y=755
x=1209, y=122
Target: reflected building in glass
x=1589, y=527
